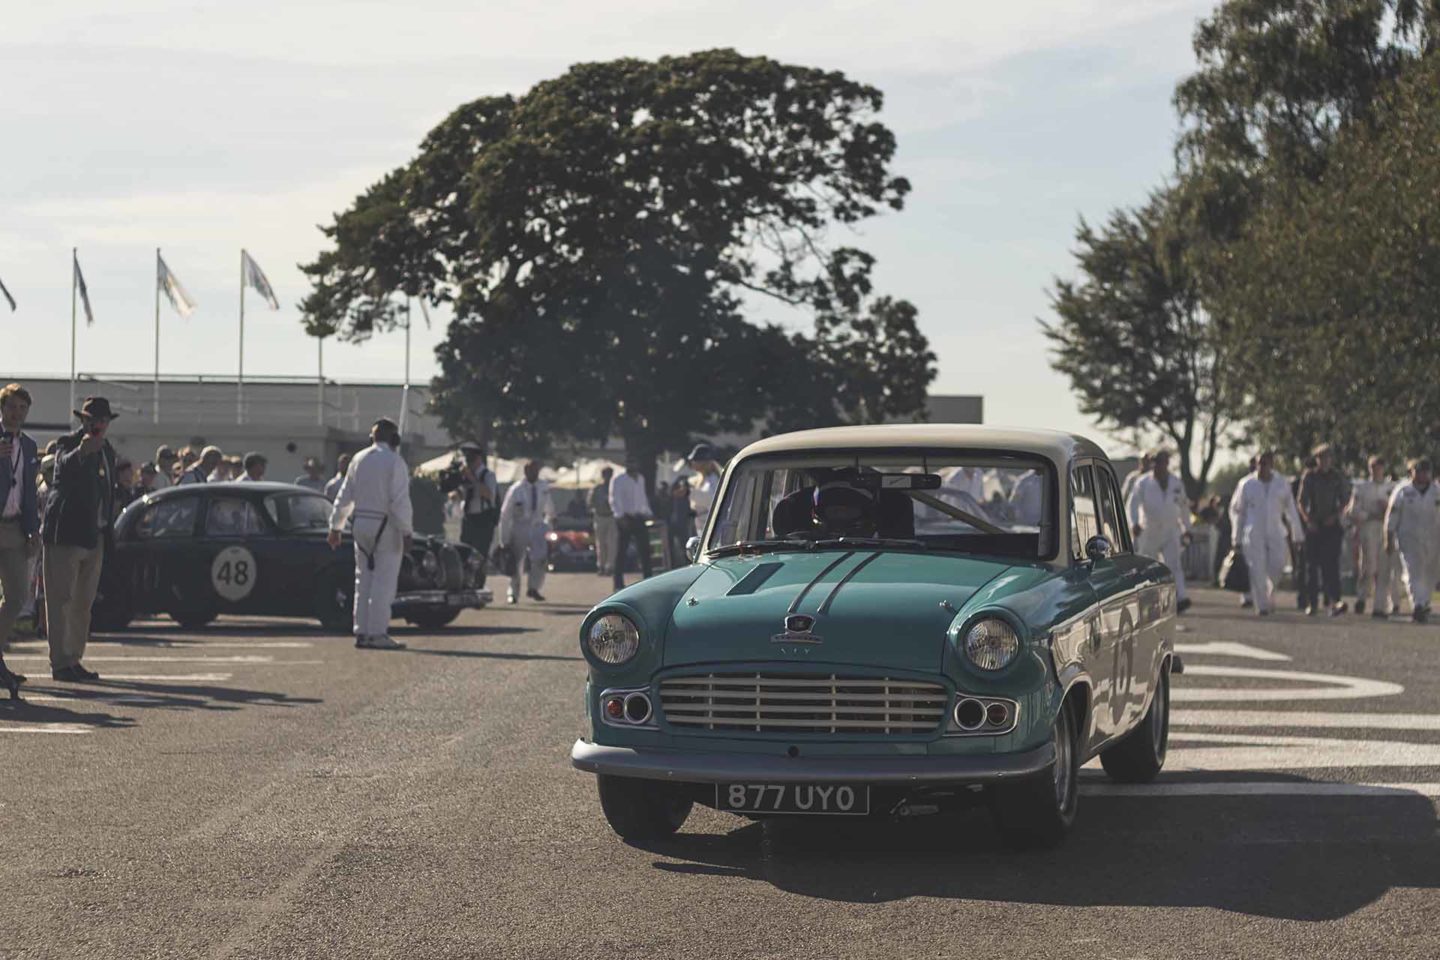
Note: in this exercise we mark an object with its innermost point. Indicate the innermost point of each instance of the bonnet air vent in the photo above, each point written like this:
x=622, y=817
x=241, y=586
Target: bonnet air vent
x=754, y=580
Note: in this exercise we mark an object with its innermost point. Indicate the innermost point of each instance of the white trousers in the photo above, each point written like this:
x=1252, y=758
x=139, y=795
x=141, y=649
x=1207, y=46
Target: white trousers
x=374, y=589
x=1265, y=555
x=1376, y=576
x=1169, y=552
x=607, y=538
x=527, y=543
x=1417, y=559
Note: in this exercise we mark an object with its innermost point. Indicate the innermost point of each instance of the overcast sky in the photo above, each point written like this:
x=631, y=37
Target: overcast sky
x=205, y=127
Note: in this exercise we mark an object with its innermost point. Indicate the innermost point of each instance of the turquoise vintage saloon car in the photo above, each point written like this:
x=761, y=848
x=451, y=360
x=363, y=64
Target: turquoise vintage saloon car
x=887, y=621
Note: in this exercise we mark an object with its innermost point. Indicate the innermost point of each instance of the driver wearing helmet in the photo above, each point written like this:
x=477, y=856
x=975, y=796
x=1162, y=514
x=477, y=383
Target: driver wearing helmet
x=840, y=510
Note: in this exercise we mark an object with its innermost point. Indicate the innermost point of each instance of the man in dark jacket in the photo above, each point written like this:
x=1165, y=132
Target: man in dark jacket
x=1324, y=492
x=76, y=533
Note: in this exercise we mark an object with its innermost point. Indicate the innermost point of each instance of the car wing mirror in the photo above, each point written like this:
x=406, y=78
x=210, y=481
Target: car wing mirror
x=692, y=549
x=1098, y=548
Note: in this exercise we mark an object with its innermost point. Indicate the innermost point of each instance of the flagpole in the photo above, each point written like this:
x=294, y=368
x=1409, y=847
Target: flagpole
x=74, y=289
x=405, y=390
x=320, y=381
x=156, y=411
x=240, y=383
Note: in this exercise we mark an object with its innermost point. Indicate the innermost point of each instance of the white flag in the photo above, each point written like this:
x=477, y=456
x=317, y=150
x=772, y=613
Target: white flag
x=255, y=279
x=84, y=293
x=6, y=294
x=170, y=286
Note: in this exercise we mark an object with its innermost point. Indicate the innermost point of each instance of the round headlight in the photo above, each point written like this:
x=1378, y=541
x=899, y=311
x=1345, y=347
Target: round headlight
x=613, y=639
x=991, y=644
x=429, y=564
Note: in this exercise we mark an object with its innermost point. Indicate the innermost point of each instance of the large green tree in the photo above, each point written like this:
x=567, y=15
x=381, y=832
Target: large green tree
x=1135, y=342
x=604, y=239
x=1334, y=299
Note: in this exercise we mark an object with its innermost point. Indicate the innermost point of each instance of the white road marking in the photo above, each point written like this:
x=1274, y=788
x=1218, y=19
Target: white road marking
x=254, y=661
x=1258, y=753
x=1220, y=648
x=1256, y=789
x=47, y=728
x=180, y=644
x=1332, y=686
x=169, y=677
x=1279, y=719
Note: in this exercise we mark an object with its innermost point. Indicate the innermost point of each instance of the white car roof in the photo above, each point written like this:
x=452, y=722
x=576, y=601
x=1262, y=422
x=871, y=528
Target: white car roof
x=1054, y=445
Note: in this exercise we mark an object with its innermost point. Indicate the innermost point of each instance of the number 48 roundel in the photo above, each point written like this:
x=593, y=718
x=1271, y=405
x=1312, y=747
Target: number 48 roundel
x=232, y=573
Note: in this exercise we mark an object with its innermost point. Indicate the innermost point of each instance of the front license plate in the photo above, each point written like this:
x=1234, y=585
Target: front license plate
x=798, y=798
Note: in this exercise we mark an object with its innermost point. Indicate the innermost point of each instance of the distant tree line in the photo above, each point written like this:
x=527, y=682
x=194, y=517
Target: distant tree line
x=1281, y=284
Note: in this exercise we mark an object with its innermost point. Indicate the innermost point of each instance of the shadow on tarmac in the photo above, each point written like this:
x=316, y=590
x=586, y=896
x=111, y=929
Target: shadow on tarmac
x=26, y=711
x=161, y=696
x=489, y=655
x=1310, y=858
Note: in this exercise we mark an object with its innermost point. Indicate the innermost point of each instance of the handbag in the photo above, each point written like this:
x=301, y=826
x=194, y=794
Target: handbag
x=505, y=560
x=1235, y=572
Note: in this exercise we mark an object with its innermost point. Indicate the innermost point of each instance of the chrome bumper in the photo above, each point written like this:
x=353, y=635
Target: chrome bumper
x=685, y=767
x=444, y=598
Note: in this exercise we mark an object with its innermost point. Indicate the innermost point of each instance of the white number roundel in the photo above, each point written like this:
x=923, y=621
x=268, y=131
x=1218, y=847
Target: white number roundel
x=232, y=573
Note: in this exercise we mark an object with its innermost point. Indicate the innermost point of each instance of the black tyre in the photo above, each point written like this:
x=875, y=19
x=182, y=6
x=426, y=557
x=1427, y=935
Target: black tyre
x=1037, y=812
x=1139, y=757
x=434, y=619
x=642, y=810
x=194, y=619
x=335, y=600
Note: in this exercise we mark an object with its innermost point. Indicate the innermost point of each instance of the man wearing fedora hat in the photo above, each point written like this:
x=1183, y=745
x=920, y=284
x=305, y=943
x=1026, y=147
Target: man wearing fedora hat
x=76, y=531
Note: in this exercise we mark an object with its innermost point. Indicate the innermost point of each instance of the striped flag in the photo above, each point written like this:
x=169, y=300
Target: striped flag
x=6, y=294
x=170, y=286
x=84, y=292
x=255, y=279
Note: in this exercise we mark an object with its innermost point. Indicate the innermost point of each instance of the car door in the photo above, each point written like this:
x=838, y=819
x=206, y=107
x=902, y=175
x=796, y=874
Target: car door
x=163, y=545
x=1102, y=628
x=1129, y=597
x=243, y=556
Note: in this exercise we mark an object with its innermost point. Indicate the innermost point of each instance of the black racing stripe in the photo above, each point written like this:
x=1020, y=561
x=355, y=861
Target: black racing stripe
x=821, y=576
x=753, y=580
x=846, y=579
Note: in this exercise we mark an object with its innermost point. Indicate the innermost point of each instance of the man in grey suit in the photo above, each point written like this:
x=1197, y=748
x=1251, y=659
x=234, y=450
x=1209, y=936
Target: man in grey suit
x=19, y=516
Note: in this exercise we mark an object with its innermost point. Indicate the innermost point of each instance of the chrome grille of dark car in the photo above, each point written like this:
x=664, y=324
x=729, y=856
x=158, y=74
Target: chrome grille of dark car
x=808, y=703
x=452, y=568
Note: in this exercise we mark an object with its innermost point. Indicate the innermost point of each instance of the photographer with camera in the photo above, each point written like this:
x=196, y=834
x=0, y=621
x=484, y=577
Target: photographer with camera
x=76, y=531
x=482, y=499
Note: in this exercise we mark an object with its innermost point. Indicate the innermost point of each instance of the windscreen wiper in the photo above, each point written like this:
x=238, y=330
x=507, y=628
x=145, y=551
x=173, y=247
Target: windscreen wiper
x=883, y=543
x=759, y=546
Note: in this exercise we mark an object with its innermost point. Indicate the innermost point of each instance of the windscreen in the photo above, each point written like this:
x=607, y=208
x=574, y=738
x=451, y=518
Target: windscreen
x=299, y=511
x=950, y=500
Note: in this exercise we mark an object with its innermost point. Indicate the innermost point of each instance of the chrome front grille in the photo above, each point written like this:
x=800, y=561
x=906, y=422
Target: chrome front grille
x=808, y=703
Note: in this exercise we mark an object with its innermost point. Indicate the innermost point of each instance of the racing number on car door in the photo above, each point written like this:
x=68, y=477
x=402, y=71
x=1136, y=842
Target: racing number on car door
x=232, y=573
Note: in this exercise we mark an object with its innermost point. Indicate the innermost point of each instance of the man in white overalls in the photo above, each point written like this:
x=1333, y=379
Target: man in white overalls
x=1160, y=519
x=1412, y=525
x=524, y=521
x=1369, y=500
x=1260, y=512
x=376, y=491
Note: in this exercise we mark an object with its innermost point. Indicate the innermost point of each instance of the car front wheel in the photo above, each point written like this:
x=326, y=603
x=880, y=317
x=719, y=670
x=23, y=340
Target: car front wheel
x=642, y=810
x=335, y=600
x=1140, y=755
x=1037, y=812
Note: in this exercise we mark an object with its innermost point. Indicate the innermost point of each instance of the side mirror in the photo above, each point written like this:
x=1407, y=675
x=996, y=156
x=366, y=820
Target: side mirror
x=1098, y=548
x=692, y=549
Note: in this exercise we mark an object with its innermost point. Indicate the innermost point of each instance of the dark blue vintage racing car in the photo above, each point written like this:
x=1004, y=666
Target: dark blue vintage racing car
x=197, y=551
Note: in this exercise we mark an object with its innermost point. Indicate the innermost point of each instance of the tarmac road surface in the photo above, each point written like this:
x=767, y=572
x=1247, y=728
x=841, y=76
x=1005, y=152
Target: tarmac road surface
x=263, y=790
